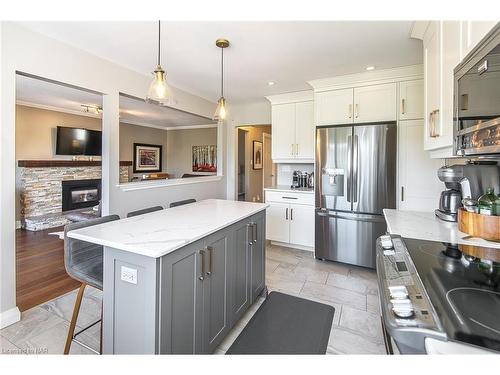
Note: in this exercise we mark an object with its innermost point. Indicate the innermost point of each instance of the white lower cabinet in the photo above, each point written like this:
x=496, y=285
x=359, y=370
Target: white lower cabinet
x=302, y=225
x=277, y=227
x=290, y=223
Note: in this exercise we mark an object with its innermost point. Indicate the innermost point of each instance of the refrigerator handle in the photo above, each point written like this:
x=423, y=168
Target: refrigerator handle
x=355, y=169
x=349, y=159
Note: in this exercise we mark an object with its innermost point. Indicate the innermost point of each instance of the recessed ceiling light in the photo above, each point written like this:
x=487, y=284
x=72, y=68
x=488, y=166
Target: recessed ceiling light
x=271, y=83
x=370, y=67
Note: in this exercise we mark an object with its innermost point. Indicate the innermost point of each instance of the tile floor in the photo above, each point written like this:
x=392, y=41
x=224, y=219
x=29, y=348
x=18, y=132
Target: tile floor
x=352, y=291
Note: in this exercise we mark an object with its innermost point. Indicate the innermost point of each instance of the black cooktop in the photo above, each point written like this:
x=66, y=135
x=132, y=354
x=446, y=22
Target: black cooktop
x=464, y=289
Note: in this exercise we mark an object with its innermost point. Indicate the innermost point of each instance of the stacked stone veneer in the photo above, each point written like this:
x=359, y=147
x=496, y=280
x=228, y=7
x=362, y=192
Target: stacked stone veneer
x=41, y=193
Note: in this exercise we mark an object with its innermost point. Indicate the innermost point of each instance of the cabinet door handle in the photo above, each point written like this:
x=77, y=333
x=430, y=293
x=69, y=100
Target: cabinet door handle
x=291, y=149
x=296, y=149
x=356, y=110
x=403, y=109
x=202, y=254
x=286, y=214
x=210, y=251
x=291, y=213
x=350, y=111
x=402, y=193
x=249, y=237
x=254, y=232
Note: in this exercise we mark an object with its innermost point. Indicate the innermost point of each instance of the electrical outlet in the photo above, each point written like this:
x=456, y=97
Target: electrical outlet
x=128, y=275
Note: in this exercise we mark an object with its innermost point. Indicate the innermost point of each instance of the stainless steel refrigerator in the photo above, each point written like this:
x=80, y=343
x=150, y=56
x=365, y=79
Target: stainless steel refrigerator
x=355, y=181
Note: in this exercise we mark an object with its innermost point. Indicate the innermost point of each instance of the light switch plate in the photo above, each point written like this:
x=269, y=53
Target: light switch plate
x=128, y=275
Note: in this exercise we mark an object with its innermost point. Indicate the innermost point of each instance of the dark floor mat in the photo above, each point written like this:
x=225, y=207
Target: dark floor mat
x=285, y=324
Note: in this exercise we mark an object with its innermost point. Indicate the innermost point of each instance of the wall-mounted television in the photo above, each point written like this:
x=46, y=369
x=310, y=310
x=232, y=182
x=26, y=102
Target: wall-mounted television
x=75, y=141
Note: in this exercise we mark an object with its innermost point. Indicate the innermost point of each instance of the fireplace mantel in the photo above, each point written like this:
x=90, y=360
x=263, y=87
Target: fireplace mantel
x=64, y=163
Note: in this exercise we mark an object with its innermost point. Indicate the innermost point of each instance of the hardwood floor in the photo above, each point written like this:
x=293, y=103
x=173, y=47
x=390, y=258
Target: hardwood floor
x=40, y=272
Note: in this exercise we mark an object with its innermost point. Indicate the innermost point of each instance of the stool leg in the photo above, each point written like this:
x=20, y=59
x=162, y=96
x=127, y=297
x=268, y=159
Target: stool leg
x=74, y=318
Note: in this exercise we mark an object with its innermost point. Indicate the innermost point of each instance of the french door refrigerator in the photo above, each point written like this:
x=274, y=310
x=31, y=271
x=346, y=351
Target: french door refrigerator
x=355, y=181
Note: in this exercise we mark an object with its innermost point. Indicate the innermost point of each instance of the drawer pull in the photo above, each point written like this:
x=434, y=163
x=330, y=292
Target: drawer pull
x=289, y=197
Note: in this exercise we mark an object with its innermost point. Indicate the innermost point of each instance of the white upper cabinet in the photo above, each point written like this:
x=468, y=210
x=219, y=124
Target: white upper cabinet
x=304, y=130
x=411, y=100
x=375, y=103
x=292, y=127
x=283, y=130
x=334, y=107
x=445, y=44
x=441, y=55
x=370, y=103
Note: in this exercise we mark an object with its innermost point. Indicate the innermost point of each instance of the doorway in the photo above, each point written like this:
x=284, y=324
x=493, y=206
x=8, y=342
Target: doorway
x=255, y=169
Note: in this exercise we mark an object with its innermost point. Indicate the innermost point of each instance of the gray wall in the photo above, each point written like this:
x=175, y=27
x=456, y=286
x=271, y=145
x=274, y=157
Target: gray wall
x=179, y=147
x=130, y=134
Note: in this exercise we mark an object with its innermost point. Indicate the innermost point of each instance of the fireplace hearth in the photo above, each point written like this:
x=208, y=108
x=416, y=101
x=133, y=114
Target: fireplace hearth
x=80, y=194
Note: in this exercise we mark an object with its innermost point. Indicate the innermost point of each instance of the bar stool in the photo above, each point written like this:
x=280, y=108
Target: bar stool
x=180, y=203
x=144, y=211
x=83, y=262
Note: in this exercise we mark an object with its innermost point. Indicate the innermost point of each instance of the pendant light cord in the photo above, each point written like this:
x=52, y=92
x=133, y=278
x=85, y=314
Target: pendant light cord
x=159, y=37
x=222, y=74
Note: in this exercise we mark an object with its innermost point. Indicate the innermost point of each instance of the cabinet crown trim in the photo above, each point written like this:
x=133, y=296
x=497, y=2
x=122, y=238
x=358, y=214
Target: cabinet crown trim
x=291, y=97
x=404, y=73
x=418, y=29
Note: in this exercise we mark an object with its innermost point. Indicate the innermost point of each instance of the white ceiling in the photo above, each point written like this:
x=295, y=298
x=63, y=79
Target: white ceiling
x=137, y=111
x=54, y=96
x=289, y=53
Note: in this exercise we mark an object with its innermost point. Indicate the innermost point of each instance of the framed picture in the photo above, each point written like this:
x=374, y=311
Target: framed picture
x=204, y=158
x=147, y=158
x=257, y=155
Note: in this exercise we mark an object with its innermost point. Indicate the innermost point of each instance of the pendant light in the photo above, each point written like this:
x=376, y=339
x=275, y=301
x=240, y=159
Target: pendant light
x=220, y=111
x=158, y=90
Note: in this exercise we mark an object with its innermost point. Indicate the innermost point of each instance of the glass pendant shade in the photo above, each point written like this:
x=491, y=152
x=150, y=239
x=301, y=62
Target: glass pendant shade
x=220, y=111
x=158, y=90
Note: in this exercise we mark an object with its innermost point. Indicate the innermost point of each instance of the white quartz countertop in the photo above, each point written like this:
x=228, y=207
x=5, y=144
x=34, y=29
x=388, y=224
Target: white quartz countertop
x=426, y=226
x=158, y=233
x=288, y=189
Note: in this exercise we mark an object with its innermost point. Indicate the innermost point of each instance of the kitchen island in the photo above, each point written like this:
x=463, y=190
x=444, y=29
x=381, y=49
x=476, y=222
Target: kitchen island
x=177, y=280
x=426, y=226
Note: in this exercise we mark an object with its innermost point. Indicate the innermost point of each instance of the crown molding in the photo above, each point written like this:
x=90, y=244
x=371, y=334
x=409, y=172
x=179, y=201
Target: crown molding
x=375, y=77
x=57, y=109
x=146, y=125
x=418, y=29
x=291, y=97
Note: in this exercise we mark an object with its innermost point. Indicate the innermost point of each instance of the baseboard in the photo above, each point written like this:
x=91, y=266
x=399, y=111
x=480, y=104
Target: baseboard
x=9, y=317
x=293, y=246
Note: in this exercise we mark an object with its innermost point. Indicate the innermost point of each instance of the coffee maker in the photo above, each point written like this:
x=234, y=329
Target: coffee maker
x=465, y=181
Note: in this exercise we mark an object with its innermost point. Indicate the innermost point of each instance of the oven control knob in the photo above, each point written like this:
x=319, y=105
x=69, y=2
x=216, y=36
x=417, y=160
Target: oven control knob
x=403, y=313
x=386, y=242
x=398, y=292
x=402, y=308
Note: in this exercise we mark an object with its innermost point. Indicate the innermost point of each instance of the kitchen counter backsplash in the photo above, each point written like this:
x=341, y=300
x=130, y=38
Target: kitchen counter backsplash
x=285, y=172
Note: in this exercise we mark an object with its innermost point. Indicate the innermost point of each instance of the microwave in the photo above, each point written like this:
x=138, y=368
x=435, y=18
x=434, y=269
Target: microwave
x=476, y=111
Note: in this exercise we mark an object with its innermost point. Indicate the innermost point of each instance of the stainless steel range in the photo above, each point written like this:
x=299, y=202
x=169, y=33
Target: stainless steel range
x=433, y=291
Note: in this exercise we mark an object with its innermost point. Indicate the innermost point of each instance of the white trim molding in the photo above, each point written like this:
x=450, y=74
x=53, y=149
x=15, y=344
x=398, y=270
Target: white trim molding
x=58, y=109
x=9, y=317
x=142, y=185
x=291, y=97
x=418, y=29
x=374, y=77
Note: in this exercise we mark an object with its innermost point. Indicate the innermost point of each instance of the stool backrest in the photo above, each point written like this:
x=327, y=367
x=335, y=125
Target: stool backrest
x=180, y=203
x=144, y=211
x=78, y=252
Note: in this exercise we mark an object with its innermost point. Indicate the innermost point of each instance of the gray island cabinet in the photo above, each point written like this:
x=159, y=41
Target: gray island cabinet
x=187, y=299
